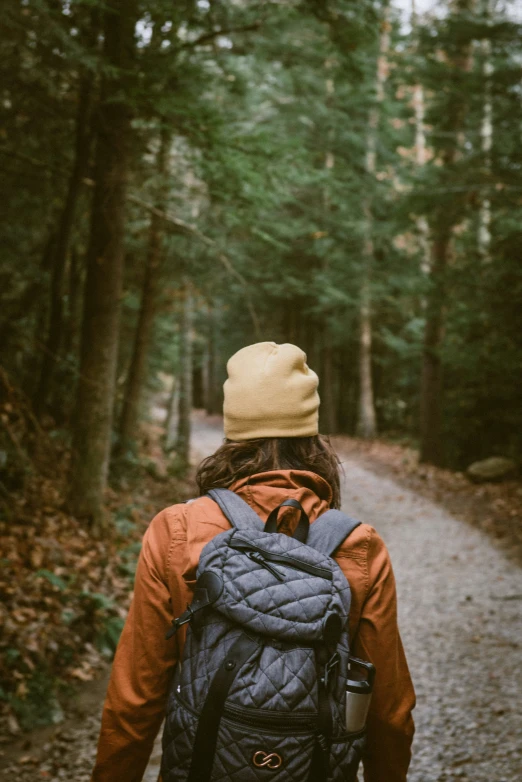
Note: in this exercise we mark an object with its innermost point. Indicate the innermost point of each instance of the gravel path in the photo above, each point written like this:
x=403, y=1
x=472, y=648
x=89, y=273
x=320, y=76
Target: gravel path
x=459, y=613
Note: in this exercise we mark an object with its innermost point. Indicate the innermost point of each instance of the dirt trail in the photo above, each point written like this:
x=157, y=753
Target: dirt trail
x=459, y=613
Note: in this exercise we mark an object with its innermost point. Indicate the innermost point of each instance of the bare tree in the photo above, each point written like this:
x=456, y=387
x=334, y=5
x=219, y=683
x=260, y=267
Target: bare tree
x=138, y=366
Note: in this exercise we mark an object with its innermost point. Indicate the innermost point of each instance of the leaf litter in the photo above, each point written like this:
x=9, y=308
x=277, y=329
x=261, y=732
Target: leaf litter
x=64, y=594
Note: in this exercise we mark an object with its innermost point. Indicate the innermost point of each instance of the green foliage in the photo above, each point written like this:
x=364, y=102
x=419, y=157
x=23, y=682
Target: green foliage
x=267, y=204
x=101, y=611
x=123, y=520
x=109, y=635
x=40, y=705
x=269, y=127
x=53, y=579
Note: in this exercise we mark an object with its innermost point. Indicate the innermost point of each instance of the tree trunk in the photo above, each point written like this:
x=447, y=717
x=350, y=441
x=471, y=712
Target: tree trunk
x=147, y=314
x=103, y=286
x=328, y=411
x=431, y=387
x=420, y=159
x=345, y=397
x=74, y=302
x=486, y=142
x=367, y=420
x=82, y=148
x=423, y=230
x=431, y=378
x=212, y=402
x=210, y=379
x=328, y=406
x=205, y=377
x=185, y=378
x=198, y=388
x=171, y=413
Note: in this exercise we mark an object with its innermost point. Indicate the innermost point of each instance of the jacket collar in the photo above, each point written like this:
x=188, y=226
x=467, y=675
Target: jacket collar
x=266, y=490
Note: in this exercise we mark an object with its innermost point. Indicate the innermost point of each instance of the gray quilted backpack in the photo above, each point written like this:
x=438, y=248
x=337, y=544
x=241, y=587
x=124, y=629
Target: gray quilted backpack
x=260, y=692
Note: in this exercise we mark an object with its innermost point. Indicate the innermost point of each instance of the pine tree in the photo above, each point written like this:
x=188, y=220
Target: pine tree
x=458, y=57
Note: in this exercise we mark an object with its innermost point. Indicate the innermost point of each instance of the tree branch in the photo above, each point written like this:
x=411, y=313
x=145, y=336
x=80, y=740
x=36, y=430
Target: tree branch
x=216, y=33
x=189, y=229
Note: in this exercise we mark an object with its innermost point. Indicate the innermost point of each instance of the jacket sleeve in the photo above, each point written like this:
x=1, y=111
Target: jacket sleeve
x=390, y=724
x=136, y=697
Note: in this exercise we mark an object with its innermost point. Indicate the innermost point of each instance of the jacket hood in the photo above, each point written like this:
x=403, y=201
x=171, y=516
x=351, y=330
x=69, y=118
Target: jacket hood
x=266, y=490
x=263, y=492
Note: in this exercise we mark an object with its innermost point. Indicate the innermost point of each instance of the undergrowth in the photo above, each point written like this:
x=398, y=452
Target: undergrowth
x=64, y=595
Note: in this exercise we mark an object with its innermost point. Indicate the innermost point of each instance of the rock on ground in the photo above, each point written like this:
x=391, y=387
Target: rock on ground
x=496, y=468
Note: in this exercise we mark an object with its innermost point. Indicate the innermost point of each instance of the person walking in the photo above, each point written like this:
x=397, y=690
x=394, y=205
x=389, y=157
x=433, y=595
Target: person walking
x=272, y=458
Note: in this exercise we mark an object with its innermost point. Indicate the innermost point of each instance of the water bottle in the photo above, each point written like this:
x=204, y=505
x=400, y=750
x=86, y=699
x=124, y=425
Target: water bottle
x=359, y=688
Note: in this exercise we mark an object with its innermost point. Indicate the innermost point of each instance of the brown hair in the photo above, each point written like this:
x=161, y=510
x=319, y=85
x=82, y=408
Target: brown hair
x=240, y=459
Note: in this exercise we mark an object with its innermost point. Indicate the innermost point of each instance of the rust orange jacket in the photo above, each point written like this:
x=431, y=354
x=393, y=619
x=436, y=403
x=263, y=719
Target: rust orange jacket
x=139, y=683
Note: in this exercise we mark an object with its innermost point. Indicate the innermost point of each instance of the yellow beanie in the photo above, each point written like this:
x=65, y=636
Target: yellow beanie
x=270, y=392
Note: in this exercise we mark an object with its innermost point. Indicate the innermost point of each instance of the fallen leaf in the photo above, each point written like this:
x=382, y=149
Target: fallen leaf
x=80, y=673
x=21, y=690
x=12, y=725
x=26, y=759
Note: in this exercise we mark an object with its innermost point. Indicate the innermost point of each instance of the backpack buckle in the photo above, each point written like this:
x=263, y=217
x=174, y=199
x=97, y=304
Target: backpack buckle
x=184, y=619
x=208, y=589
x=329, y=667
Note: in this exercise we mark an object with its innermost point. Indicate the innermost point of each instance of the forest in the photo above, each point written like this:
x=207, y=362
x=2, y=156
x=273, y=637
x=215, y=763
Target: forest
x=183, y=179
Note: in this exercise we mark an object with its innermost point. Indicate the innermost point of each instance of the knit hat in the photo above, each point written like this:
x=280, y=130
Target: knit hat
x=270, y=392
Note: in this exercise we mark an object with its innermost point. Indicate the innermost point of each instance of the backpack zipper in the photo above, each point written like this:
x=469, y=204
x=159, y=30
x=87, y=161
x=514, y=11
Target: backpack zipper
x=270, y=721
x=263, y=557
x=273, y=722
x=260, y=559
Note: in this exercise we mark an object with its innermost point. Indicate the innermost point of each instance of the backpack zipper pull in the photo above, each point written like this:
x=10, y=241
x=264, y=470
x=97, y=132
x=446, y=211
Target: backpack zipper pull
x=257, y=557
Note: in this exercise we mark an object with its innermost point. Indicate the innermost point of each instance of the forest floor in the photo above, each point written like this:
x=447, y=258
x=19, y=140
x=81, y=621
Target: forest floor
x=460, y=593
x=64, y=598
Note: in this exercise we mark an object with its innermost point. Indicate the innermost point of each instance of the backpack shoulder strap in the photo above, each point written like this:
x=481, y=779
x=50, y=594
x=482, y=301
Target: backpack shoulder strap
x=330, y=530
x=238, y=512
